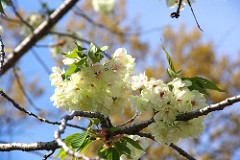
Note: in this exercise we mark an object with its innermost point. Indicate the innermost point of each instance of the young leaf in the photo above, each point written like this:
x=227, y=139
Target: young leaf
x=170, y=61
x=132, y=142
x=112, y=154
x=171, y=73
x=1, y=9
x=101, y=151
x=61, y=153
x=122, y=148
x=179, y=72
x=73, y=54
x=95, y=53
x=71, y=69
x=85, y=144
x=78, y=141
x=67, y=140
x=104, y=48
x=79, y=47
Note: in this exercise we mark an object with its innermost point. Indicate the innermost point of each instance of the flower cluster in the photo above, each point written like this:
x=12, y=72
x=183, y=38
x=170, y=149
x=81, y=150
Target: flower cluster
x=97, y=87
x=107, y=88
x=167, y=101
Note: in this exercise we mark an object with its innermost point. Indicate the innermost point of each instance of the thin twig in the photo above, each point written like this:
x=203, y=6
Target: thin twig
x=2, y=55
x=41, y=31
x=178, y=149
x=90, y=20
x=23, y=90
x=70, y=35
x=176, y=14
x=194, y=15
x=204, y=111
x=181, y=151
x=34, y=115
x=20, y=17
x=41, y=61
x=129, y=121
x=46, y=156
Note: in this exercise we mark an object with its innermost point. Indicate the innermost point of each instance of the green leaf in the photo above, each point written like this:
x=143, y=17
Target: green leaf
x=132, y=142
x=94, y=53
x=71, y=69
x=179, y=72
x=171, y=73
x=112, y=154
x=122, y=147
x=202, y=84
x=79, y=47
x=104, y=48
x=73, y=54
x=1, y=9
x=196, y=86
x=170, y=61
x=67, y=140
x=101, y=151
x=78, y=141
x=85, y=144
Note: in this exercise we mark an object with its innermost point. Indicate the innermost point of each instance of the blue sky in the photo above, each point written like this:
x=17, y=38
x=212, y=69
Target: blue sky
x=218, y=18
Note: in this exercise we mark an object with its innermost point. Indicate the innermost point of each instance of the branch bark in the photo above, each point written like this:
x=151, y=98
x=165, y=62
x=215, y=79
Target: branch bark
x=52, y=145
x=38, y=33
x=204, y=111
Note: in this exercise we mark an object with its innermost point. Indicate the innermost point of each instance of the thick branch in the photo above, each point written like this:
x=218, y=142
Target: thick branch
x=204, y=111
x=57, y=133
x=29, y=146
x=38, y=33
x=2, y=55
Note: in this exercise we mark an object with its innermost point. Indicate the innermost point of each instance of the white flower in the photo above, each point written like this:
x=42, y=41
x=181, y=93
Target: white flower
x=181, y=84
x=198, y=100
x=103, y=6
x=57, y=76
x=139, y=81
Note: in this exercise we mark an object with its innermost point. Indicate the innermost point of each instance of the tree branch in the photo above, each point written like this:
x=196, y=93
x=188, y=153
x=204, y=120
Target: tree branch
x=38, y=33
x=2, y=55
x=204, y=111
x=57, y=133
x=29, y=146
